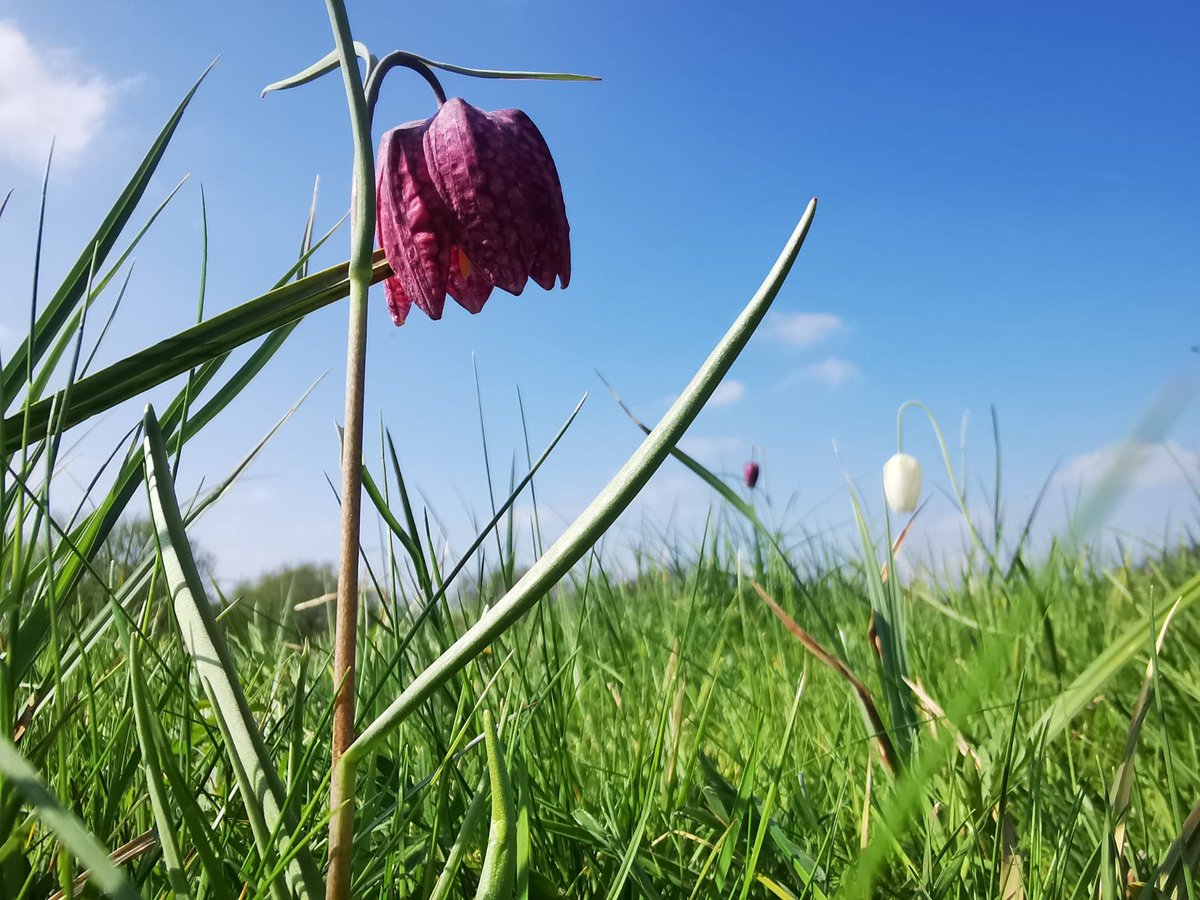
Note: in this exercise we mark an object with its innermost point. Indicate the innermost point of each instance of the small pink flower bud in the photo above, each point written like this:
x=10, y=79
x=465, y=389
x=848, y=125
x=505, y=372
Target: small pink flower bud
x=750, y=474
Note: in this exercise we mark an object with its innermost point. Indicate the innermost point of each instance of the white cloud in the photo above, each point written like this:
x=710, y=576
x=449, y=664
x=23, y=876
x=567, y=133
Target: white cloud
x=727, y=392
x=43, y=98
x=803, y=329
x=833, y=371
x=1141, y=465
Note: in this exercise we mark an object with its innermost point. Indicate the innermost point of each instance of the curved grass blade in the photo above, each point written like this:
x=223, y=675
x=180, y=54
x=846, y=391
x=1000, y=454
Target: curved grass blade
x=259, y=783
x=75, y=837
x=501, y=73
x=730, y=496
x=499, y=874
x=445, y=583
x=189, y=348
x=322, y=66
x=600, y=513
x=68, y=295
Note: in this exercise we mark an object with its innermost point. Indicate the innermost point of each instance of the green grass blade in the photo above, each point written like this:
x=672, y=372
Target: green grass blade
x=258, y=781
x=1116, y=656
x=92, y=291
x=600, y=513
x=445, y=884
x=74, y=836
x=498, y=877
x=501, y=73
x=152, y=765
x=63, y=303
x=730, y=496
x=192, y=347
x=322, y=66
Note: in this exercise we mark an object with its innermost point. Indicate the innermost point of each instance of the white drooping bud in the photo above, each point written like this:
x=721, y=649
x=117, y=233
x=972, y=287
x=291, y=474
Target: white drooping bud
x=902, y=482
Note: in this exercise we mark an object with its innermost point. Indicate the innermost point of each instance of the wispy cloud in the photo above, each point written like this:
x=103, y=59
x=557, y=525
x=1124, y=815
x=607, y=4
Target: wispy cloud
x=803, y=329
x=43, y=98
x=727, y=392
x=833, y=371
x=1137, y=463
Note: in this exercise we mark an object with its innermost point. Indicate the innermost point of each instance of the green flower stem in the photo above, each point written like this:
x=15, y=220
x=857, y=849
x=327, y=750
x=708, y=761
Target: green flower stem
x=592, y=523
x=362, y=232
x=959, y=493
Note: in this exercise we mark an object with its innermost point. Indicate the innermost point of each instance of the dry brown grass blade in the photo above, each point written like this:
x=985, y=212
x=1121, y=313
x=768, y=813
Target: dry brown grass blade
x=936, y=714
x=26, y=716
x=1012, y=881
x=143, y=843
x=866, y=702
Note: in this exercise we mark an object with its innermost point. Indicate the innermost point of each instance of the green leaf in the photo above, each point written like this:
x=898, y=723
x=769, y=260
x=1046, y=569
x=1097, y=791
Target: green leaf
x=600, y=513
x=75, y=837
x=202, y=343
x=1116, y=656
x=501, y=73
x=499, y=875
x=257, y=780
x=322, y=66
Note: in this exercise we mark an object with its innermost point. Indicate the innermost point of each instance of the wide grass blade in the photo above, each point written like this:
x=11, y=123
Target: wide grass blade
x=262, y=791
x=599, y=515
x=75, y=837
x=499, y=874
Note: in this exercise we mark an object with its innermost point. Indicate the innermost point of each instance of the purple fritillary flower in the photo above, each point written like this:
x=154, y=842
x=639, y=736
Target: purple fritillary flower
x=469, y=200
x=750, y=474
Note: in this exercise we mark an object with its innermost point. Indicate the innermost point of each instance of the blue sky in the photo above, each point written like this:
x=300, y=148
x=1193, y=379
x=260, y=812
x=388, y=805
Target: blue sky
x=1008, y=198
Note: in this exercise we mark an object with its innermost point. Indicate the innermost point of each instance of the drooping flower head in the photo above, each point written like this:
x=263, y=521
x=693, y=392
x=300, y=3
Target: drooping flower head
x=468, y=200
x=902, y=482
x=750, y=474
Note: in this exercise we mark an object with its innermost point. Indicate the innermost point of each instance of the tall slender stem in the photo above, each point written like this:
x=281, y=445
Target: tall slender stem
x=362, y=229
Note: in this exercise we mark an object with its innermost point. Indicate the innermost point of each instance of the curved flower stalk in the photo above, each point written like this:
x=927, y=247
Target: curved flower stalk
x=470, y=200
x=904, y=482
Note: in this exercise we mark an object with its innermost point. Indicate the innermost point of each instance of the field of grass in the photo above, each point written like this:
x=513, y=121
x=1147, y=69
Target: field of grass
x=744, y=717
x=665, y=736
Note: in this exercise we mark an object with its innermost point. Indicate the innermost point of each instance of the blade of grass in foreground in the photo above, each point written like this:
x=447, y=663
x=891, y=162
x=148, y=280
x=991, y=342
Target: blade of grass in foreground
x=599, y=515
x=192, y=347
x=75, y=837
x=259, y=783
x=731, y=497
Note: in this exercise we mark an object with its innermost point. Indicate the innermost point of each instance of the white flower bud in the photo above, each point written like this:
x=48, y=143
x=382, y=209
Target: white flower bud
x=902, y=482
